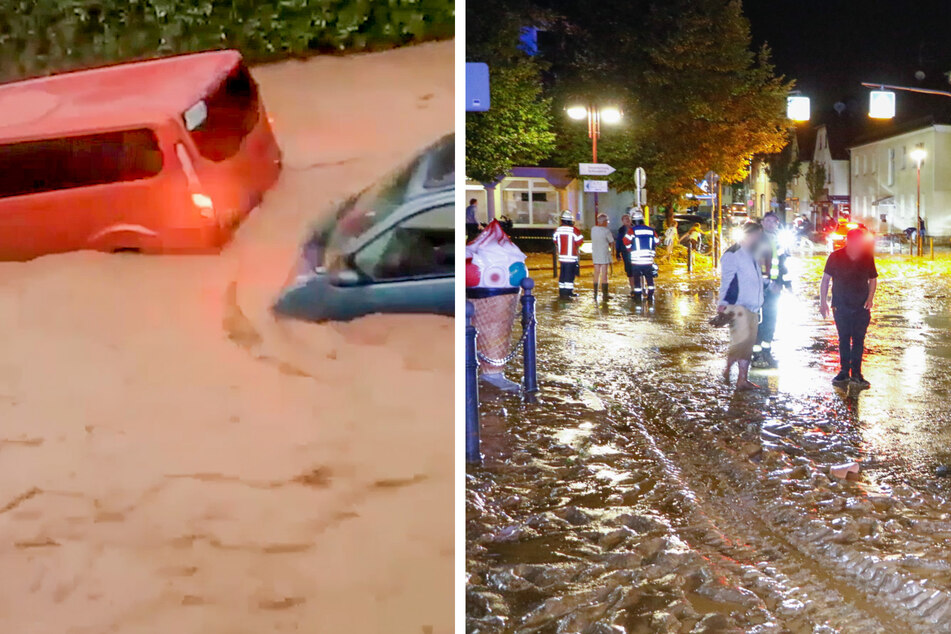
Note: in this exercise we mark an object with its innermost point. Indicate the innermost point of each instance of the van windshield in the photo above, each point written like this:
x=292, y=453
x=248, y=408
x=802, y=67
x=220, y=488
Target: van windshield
x=220, y=122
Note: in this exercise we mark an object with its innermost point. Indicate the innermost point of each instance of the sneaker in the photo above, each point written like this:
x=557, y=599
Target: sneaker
x=860, y=382
x=841, y=379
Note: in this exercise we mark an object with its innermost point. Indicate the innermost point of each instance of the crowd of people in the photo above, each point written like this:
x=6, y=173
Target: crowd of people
x=753, y=273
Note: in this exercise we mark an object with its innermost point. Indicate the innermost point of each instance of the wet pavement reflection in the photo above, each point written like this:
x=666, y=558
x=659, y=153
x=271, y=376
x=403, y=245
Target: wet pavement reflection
x=640, y=494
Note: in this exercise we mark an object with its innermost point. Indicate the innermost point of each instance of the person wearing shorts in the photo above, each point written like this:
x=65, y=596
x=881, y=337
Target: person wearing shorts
x=602, y=241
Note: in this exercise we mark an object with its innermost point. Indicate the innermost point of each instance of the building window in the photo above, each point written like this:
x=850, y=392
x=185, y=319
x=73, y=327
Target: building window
x=855, y=165
x=865, y=164
x=904, y=157
x=891, y=167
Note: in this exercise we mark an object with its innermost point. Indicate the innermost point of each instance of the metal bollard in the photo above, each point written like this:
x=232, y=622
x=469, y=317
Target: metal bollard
x=689, y=256
x=528, y=330
x=554, y=260
x=932, y=247
x=473, y=452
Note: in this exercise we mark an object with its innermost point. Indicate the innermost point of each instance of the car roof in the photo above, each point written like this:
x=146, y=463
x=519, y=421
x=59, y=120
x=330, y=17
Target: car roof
x=122, y=95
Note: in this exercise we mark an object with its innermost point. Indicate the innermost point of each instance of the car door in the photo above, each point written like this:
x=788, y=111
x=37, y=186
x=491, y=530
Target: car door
x=410, y=268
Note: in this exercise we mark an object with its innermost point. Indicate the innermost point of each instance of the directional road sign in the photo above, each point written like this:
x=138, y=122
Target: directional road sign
x=595, y=169
x=596, y=186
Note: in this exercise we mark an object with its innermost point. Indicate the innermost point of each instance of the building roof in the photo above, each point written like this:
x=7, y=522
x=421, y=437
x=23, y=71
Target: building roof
x=128, y=94
x=806, y=142
x=889, y=129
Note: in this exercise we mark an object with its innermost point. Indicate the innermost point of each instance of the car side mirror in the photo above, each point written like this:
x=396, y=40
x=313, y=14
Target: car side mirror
x=346, y=277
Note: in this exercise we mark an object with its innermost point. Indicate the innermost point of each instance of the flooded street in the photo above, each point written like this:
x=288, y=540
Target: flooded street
x=642, y=495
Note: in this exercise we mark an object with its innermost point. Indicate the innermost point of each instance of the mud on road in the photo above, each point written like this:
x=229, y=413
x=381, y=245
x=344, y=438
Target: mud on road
x=642, y=495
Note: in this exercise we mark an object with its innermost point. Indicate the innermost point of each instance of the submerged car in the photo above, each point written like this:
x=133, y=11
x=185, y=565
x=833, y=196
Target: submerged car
x=389, y=250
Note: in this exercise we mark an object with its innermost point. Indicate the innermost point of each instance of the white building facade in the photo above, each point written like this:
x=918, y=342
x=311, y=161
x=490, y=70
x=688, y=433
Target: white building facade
x=884, y=181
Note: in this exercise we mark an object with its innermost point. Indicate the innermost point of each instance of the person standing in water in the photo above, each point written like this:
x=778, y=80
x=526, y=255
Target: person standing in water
x=741, y=297
x=641, y=243
x=568, y=241
x=854, y=281
x=773, y=262
x=602, y=241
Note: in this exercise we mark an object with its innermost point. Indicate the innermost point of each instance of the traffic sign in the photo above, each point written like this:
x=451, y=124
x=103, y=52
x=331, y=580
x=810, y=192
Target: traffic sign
x=595, y=169
x=640, y=197
x=640, y=177
x=477, y=87
x=596, y=186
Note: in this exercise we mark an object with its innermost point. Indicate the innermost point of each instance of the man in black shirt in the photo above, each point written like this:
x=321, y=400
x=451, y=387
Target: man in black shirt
x=854, y=280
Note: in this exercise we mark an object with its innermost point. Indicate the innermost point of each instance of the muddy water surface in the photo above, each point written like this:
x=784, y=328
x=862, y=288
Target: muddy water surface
x=642, y=495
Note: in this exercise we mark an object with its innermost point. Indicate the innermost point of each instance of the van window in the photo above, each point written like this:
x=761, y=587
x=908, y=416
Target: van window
x=423, y=245
x=230, y=114
x=32, y=167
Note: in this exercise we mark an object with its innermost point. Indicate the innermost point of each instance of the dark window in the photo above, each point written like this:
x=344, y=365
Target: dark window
x=423, y=245
x=442, y=164
x=538, y=197
x=32, y=167
x=231, y=114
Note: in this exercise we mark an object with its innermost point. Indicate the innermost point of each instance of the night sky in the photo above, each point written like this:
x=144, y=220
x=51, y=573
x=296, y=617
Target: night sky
x=830, y=46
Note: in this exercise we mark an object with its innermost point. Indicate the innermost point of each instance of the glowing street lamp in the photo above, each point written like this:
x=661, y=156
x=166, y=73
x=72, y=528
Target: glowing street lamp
x=918, y=156
x=797, y=108
x=881, y=104
x=594, y=115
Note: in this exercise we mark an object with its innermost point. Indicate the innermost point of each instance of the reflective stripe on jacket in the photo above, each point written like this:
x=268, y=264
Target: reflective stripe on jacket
x=568, y=240
x=641, y=241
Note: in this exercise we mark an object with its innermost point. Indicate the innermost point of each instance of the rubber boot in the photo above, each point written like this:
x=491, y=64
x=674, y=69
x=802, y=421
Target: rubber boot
x=650, y=295
x=638, y=295
x=595, y=292
x=604, y=292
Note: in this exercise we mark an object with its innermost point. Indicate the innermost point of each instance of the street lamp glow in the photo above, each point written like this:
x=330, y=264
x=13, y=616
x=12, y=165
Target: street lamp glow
x=881, y=104
x=610, y=115
x=577, y=112
x=797, y=108
x=918, y=155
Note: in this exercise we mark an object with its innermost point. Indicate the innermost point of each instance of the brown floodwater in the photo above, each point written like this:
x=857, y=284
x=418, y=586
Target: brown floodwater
x=641, y=494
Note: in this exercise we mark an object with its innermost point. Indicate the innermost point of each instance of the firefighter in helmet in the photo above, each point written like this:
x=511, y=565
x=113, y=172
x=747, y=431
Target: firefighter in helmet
x=568, y=241
x=641, y=242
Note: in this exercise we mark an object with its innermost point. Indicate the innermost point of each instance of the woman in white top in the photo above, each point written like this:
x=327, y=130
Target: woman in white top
x=602, y=242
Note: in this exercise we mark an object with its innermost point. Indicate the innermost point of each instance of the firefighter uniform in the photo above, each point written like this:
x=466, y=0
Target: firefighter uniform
x=641, y=242
x=568, y=241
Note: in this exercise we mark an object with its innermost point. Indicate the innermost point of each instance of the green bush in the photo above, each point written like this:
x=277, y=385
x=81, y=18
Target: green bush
x=43, y=36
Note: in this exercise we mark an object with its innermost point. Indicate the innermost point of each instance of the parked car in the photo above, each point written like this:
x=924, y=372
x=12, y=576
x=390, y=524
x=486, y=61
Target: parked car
x=390, y=250
x=165, y=155
x=837, y=236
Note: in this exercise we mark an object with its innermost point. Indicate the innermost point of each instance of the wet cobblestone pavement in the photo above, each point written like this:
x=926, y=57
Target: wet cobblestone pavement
x=640, y=494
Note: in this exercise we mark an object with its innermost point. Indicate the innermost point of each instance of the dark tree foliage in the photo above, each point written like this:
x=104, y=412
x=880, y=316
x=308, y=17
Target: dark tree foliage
x=782, y=168
x=43, y=36
x=517, y=128
x=695, y=96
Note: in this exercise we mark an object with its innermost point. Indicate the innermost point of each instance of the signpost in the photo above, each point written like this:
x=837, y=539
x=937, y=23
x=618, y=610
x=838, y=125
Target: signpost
x=596, y=186
x=716, y=215
x=595, y=169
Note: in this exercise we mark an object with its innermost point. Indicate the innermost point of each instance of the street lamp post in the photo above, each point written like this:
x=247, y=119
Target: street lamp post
x=918, y=154
x=594, y=115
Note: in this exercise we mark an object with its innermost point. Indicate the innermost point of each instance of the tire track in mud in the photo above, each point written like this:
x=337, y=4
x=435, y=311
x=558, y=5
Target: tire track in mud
x=803, y=563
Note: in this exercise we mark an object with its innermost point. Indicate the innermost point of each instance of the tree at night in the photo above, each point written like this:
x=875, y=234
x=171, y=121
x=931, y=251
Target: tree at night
x=516, y=130
x=816, y=181
x=695, y=96
x=783, y=167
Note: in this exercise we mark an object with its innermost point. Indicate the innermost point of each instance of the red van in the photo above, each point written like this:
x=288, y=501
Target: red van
x=158, y=156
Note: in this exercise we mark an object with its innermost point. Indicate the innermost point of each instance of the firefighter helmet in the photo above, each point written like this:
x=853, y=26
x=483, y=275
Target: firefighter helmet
x=567, y=215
